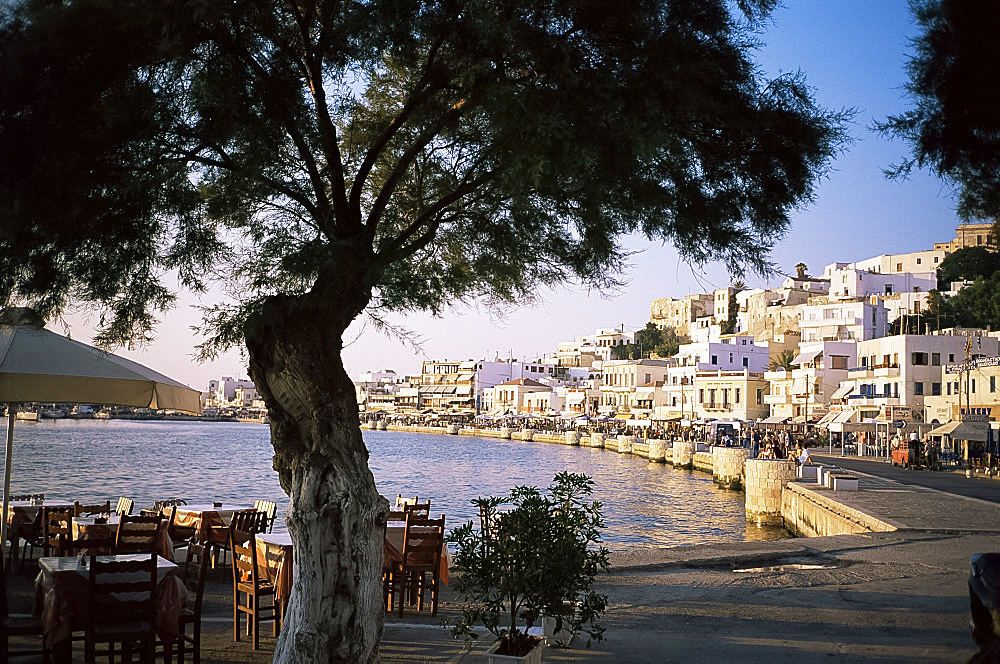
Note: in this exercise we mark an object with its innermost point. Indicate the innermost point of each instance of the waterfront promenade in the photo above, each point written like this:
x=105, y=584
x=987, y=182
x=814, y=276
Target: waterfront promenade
x=886, y=596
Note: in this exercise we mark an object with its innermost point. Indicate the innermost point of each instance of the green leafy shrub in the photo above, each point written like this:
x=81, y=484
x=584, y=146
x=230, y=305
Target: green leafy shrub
x=535, y=553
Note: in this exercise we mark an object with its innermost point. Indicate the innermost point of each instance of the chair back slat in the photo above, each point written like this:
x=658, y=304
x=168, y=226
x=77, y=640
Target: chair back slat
x=400, y=501
x=80, y=509
x=138, y=534
x=243, y=546
x=396, y=515
x=418, y=509
x=270, y=510
x=195, y=571
x=57, y=529
x=124, y=507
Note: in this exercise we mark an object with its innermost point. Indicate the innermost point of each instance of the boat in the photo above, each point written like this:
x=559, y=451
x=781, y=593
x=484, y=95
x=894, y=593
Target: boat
x=53, y=414
x=102, y=415
x=26, y=416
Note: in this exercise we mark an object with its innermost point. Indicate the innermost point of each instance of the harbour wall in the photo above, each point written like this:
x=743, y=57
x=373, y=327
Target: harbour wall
x=773, y=496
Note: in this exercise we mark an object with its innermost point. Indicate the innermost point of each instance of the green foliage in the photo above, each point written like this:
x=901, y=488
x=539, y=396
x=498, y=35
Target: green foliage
x=534, y=553
x=782, y=361
x=431, y=151
x=967, y=264
x=954, y=128
x=650, y=340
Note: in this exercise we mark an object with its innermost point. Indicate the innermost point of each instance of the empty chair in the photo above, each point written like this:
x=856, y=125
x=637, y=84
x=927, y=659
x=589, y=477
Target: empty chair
x=249, y=589
x=80, y=509
x=396, y=515
x=268, y=507
x=419, y=568
x=138, y=534
x=400, y=501
x=195, y=570
x=19, y=626
x=21, y=496
x=180, y=536
x=124, y=506
x=57, y=530
x=29, y=535
x=418, y=509
x=122, y=606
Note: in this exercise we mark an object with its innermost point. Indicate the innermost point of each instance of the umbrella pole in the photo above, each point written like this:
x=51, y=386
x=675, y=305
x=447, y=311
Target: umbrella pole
x=8, y=458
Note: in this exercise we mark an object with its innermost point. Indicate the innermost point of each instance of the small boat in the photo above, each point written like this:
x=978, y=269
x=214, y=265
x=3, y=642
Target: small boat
x=26, y=416
x=102, y=415
x=54, y=414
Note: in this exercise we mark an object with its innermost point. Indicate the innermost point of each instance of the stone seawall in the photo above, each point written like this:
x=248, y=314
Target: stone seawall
x=807, y=513
x=703, y=461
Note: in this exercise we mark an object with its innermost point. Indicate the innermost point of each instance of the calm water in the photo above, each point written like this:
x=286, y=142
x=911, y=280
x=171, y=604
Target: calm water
x=92, y=460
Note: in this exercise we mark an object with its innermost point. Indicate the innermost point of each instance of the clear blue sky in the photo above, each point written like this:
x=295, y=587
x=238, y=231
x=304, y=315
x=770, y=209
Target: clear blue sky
x=853, y=54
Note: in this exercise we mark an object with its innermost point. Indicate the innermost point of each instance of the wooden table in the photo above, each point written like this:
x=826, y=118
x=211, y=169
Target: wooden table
x=204, y=517
x=62, y=598
x=274, y=563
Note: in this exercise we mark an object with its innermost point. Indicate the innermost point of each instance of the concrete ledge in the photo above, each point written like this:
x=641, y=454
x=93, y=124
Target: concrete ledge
x=808, y=513
x=703, y=461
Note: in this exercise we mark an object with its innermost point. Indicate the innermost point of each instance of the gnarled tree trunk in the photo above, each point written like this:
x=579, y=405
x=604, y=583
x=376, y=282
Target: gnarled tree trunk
x=335, y=515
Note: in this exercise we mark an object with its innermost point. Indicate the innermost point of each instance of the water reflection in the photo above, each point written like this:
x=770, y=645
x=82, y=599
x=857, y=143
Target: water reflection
x=644, y=504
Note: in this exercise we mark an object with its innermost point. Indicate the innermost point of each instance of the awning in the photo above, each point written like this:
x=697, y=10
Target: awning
x=643, y=394
x=828, y=417
x=465, y=390
x=844, y=416
x=807, y=356
x=843, y=391
x=774, y=419
x=799, y=419
x=962, y=430
x=464, y=376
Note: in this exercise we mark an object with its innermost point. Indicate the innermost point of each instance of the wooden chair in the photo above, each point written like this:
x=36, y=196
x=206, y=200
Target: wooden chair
x=396, y=515
x=28, y=537
x=418, y=509
x=247, y=583
x=91, y=510
x=17, y=626
x=268, y=507
x=195, y=570
x=138, y=534
x=247, y=521
x=423, y=542
x=400, y=501
x=124, y=507
x=57, y=530
x=180, y=536
x=111, y=619
x=21, y=496
x=89, y=546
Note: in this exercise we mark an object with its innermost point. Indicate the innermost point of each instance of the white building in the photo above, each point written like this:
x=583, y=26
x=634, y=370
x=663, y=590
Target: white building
x=896, y=373
x=843, y=321
x=852, y=283
x=222, y=392
x=804, y=393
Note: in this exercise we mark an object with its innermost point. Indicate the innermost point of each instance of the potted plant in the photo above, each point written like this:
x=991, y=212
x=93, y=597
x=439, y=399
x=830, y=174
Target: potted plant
x=534, y=554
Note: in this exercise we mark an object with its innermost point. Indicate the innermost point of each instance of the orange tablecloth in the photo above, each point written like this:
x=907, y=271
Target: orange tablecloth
x=203, y=518
x=62, y=596
x=274, y=562
x=21, y=513
x=393, y=549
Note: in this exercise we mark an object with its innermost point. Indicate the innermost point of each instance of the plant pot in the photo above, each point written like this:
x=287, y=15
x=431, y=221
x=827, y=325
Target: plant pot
x=533, y=657
x=563, y=637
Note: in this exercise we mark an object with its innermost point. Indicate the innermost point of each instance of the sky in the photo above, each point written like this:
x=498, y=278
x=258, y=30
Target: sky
x=853, y=54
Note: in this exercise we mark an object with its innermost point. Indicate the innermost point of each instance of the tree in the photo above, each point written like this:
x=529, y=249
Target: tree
x=954, y=82
x=967, y=264
x=648, y=341
x=782, y=361
x=327, y=160
x=978, y=304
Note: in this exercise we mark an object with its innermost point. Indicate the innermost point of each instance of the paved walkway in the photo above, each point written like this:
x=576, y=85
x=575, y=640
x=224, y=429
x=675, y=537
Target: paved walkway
x=954, y=482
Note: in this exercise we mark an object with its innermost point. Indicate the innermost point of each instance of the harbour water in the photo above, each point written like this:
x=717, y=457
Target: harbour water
x=644, y=504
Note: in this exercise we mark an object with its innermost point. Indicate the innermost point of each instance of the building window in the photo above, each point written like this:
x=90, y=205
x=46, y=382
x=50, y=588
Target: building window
x=973, y=384
x=888, y=291
x=918, y=261
x=737, y=395
x=701, y=396
x=936, y=359
x=899, y=268
x=935, y=259
x=760, y=397
x=887, y=390
x=918, y=359
x=746, y=361
x=715, y=359
x=936, y=389
x=918, y=388
x=949, y=389
x=993, y=383
x=951, y=357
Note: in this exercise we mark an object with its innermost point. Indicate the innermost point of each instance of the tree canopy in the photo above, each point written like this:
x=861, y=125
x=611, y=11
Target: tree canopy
x=968, y=263
x=461, y=148
x=649, y=341
x=954, y=82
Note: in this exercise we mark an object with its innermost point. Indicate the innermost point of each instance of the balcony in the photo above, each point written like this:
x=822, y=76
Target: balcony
x=876, y=371
x=857, y=400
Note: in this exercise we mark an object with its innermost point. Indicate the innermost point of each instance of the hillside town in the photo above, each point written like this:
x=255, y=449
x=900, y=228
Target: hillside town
x=815, y=351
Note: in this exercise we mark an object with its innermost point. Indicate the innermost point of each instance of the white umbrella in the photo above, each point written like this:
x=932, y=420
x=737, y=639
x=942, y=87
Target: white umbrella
x=39, y=365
